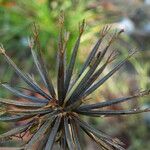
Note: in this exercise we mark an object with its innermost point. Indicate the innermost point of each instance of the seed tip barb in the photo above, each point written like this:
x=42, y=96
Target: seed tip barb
x=2, y=50
x=81, y=27
x=105, y=30
x=61, y=18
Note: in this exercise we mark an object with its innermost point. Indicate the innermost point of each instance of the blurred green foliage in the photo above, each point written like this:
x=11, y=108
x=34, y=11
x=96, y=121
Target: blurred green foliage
x=17, y=18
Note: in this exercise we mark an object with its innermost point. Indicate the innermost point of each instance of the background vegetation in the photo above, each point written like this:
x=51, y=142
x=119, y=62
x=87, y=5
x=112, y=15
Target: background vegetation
x=17, y=17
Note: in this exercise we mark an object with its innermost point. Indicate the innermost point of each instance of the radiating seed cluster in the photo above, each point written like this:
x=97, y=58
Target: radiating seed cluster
x=55, y=115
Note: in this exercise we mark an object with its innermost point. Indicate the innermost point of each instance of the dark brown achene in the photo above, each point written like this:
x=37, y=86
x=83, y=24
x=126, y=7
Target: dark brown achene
x=55, y=117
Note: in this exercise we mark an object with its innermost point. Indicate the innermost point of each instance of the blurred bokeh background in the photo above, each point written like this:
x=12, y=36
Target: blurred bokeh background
x=17, y=17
